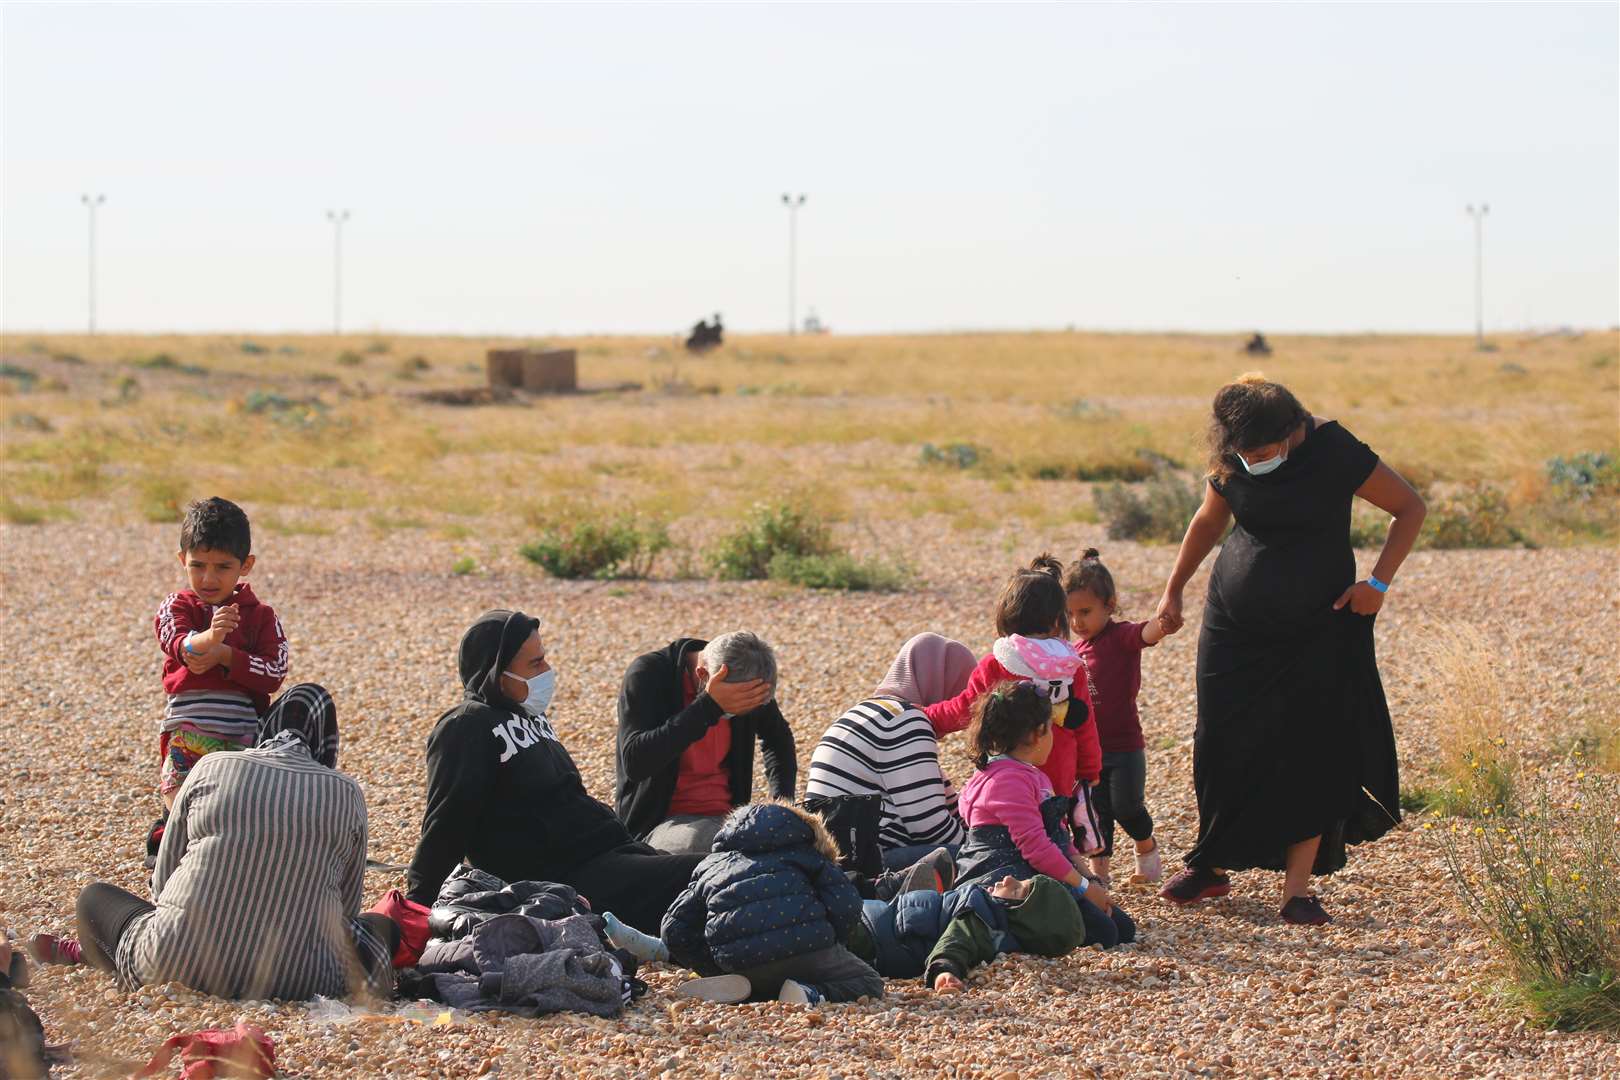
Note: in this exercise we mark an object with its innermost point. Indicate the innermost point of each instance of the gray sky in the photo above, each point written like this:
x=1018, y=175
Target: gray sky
x=559, y=169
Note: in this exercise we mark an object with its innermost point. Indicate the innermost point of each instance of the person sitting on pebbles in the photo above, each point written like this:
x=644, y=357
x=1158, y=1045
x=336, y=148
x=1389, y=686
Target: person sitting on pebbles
x=504, y=795
x=767, y=915
x=689, y=715
x=943, y=936
x=258, y=882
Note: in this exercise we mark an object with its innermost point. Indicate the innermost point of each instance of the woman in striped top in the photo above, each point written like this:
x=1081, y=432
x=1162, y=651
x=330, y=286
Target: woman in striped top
x=886, y=746
x=259, y=877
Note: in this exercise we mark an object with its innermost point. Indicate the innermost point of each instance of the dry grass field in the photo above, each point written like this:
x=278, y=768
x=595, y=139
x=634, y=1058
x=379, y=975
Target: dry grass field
x=384, y=524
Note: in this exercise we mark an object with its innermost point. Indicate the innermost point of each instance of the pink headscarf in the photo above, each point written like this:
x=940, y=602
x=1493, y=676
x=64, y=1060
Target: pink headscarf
x=929, y=669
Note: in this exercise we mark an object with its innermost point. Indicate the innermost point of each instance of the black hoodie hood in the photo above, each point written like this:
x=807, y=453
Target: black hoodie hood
x=487, y=649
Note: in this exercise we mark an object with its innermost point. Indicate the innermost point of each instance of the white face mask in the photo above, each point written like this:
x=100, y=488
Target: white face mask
x=540, y=688
x=1260, y=468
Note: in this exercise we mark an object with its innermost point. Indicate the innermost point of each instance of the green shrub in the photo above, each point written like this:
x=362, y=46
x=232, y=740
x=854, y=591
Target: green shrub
x=838, y=570
x=464, y=566
x=952, y=455
x=769, y=529
x=1083, y=409
x=1129, y=470
x=1542, y=886
x=412, y=366
x=1475, y=517
x=165, y=362
x=16, y=513
x=253, y=348
x=1158, y=509
x=377, y=348
x=600, y=547
x=294, y=412
x=1580, y=476
x=1368, y=526
x=162, y=499
x=27, y=421
x=20, y=375
x=350, y=358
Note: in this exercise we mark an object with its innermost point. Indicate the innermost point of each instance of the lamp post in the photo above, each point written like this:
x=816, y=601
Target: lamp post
x=90, y=203
x=1478, y=214
x=793, y=259
x=337, y=218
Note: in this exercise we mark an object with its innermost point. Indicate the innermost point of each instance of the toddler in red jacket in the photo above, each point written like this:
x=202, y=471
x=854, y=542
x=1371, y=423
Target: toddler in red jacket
x=1032, y=619
x=224, y=652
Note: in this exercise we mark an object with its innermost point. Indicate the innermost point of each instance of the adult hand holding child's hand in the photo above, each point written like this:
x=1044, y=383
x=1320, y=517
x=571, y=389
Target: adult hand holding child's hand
x=1169, y=613
x=737, y=699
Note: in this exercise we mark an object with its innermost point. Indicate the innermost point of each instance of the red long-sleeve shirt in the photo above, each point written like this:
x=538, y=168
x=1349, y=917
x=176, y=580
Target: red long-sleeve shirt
x=258, y=662
x=1076, y=753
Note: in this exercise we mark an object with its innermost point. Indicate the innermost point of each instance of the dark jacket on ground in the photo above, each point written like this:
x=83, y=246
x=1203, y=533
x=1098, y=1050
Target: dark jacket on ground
x=501, y=790
x=770, y=891
x=656, y=727
x=924, y=933
x=470, y=897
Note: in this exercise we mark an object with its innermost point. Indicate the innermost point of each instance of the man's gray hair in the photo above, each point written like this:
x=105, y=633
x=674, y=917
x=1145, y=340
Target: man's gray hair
x=744, y=655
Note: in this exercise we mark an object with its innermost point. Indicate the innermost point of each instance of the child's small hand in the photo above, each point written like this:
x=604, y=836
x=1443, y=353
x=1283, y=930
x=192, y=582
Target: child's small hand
x=226, y=619
x=946, y=983
x=1166, y=627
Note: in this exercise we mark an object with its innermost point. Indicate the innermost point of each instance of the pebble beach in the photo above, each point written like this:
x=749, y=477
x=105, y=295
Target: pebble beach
x=1401, y=984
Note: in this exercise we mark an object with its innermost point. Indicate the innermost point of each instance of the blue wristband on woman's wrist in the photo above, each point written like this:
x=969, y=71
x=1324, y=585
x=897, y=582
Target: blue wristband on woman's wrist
x=1381, y=586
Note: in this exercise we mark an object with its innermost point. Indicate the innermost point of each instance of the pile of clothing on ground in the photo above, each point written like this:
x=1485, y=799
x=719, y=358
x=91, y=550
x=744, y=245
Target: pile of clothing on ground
x=529, y=947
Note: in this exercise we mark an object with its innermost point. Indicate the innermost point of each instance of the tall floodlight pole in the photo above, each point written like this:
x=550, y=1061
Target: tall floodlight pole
x=337, y=218
x=90, y=203
x=793, y=259
x=1478, y=214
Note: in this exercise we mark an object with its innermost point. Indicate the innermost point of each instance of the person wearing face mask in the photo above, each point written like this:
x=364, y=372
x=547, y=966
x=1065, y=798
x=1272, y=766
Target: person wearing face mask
x=1294, y=752
x=504, y=795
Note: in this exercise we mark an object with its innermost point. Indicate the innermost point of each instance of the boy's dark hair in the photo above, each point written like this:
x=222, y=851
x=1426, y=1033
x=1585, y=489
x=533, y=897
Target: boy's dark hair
x=1091, y=575
x=216, y=524
x=1006, y=717
x=1033, y=600
x=1252, y=411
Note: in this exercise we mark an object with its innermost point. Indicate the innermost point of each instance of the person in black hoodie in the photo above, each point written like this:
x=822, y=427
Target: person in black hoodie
x=689, y=715
x=504, y=796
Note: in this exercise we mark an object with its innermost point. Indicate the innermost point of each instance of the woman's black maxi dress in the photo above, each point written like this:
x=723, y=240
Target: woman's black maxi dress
x=1294, y=738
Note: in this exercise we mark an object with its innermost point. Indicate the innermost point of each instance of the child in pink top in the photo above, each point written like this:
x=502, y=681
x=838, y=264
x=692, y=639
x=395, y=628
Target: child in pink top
x=1016, y=823
x=1033, y=624
x=1112, y=651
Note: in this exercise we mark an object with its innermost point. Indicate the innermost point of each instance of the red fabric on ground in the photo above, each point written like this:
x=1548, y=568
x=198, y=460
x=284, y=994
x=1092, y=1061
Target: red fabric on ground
x=412, y=920
x=244, y=1051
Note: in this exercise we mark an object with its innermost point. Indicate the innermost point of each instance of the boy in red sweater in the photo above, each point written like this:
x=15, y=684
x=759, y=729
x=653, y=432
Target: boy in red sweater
x=224, y=653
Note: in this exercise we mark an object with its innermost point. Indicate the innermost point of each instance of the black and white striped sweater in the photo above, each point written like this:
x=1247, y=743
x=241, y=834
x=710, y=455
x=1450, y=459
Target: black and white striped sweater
x=886, y=746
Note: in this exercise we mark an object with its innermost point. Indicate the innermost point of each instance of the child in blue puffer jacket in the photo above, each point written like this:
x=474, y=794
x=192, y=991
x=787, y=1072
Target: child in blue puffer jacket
x=769, y=913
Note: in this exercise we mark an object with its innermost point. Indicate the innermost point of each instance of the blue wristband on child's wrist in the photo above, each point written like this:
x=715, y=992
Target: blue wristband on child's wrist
x=1381, y=586
x=189, y=649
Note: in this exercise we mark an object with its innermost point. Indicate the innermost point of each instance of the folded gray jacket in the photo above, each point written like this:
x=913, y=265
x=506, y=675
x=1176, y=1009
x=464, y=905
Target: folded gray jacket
x=517, y=963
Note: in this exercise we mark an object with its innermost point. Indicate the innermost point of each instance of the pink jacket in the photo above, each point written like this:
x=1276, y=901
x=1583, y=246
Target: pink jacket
x=1009, y=792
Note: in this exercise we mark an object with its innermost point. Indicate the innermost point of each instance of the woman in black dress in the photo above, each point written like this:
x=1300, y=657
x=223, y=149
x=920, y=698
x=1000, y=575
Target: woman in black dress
x=1294, y=754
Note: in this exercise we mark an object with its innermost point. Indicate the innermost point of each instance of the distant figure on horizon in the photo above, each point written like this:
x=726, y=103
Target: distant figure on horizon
x=705, y=337
x=1258, y=345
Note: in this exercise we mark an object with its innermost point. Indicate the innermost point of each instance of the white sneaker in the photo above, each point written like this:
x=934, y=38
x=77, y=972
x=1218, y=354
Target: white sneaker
x=797, y=993
x=1148, y=867
x=721, y=989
